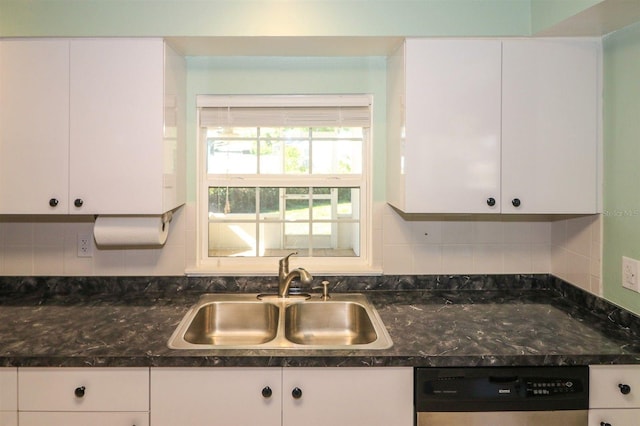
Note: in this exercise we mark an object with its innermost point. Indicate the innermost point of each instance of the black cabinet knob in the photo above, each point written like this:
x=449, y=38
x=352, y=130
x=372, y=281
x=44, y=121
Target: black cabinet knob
x=624, y=389
x=78, y=202
x=516, y=202
x=296, y=393
x=491, y=201
x=605, y=424
x=267, y=392
x=79, y=392
x=53, y=202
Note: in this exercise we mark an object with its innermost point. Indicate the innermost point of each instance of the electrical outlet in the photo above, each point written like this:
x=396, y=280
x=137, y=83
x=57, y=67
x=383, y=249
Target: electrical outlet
x=630, y=274
x=85, y=245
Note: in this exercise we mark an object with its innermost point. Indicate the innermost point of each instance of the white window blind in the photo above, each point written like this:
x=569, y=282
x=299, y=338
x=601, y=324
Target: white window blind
x=340, y=116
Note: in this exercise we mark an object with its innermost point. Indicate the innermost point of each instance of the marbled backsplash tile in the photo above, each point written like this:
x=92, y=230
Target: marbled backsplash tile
x=82, y=287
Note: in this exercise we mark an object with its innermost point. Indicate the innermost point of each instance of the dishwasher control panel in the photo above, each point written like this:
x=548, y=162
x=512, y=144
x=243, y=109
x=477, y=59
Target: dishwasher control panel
x=551, y=386
x=502, y=388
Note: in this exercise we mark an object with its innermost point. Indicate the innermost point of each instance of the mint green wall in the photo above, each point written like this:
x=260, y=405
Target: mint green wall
x=621, y=161
x=263, y=17
x=291, y=75
x=546, y=13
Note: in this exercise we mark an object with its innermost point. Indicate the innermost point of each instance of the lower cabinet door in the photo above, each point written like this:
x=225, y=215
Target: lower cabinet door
x=82, y=419
x=216, y=396
x=614, y=417
x=347, y=396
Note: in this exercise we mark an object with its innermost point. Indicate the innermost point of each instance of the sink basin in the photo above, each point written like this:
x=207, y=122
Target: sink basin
x=233, y=323
x=329, y=323
x=251, y=321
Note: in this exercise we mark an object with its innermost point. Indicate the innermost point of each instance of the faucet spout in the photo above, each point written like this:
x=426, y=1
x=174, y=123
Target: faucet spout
x=300, y=273
x=285, y=277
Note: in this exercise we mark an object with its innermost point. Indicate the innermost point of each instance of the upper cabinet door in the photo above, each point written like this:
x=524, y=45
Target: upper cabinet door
x=117, y=114
x=34, y=126
x=550, y=127
x=451, y=155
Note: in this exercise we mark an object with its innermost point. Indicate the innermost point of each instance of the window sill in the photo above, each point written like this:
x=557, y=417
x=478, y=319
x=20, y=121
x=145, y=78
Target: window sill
x=261, y=270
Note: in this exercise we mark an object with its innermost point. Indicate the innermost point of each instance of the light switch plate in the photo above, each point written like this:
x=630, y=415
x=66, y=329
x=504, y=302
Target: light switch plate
x=630, y=274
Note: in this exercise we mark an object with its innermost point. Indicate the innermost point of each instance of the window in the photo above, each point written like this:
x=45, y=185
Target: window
x=283, y=174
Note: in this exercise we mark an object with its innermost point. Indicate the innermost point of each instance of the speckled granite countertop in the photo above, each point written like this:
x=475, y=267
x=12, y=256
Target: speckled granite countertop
x=433, y=321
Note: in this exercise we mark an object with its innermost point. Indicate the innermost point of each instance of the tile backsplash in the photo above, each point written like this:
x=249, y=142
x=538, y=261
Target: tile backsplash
x=568, y=248
x=47, y=245
x=428, y=244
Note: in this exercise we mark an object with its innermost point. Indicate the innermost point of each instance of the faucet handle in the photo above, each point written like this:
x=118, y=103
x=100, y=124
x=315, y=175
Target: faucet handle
x=284, y=262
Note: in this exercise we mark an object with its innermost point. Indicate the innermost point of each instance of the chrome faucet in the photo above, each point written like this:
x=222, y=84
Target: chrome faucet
x=285, y=277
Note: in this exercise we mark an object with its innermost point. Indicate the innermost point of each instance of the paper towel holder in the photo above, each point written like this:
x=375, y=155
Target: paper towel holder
x=166, y=218
x=131, y=231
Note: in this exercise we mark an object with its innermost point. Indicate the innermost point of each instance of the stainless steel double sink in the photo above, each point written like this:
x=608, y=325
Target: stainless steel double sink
x=252, y=321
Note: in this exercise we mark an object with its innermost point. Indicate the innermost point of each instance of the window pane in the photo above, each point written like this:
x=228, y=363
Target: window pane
x=296, y=156
x=330, y=227
x=323, y=203
x=294, y=132
x=232, y=239
x=224, y=200
x=271, y=157
x=232, y=132
x=338, y=132
x=297, y=204
x=337, y=157
x=236, y=157
x=270, y=202
x=271, y=240
x=296, y=235
x=348, y=202
x=337, y=150
x=322, y=229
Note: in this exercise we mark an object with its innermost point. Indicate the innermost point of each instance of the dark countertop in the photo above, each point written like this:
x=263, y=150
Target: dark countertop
x=437, y=325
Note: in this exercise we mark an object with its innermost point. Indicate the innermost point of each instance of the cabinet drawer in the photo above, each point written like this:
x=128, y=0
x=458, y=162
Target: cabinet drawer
x=83, y=389
x=42, y=418
x=614, y=386
x=614, y=417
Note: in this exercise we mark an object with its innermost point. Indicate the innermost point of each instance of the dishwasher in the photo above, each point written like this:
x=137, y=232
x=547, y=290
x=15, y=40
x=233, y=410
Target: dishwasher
x=502, y=396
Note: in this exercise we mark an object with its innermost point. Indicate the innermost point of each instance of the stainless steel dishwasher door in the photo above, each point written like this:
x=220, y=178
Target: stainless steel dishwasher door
x=502, y=396
x=506, y=418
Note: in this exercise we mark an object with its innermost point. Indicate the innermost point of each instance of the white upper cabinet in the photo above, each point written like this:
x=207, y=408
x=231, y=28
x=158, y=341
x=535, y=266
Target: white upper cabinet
x=117, y=119
x=444, y=128
x=98, y=129
x=34, y=126
x=489, y=126
x=551, y=124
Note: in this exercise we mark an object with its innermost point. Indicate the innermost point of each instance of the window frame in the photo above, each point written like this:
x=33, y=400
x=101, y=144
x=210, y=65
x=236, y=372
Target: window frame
x=268, y=265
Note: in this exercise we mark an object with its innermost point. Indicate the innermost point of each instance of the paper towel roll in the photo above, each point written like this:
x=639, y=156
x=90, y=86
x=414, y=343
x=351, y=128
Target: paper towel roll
x=126, y=231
